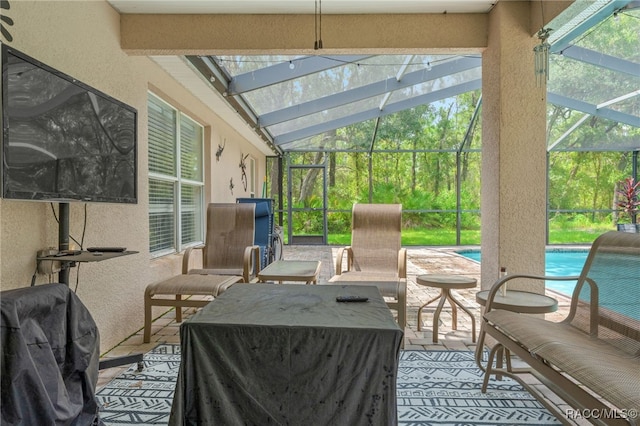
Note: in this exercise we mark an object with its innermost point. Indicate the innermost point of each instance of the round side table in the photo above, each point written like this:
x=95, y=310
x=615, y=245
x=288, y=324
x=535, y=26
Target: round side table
x=446, y=283
x=519, y=301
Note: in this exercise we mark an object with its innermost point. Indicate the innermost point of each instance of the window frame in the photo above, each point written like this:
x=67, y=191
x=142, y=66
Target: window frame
x=178, y=182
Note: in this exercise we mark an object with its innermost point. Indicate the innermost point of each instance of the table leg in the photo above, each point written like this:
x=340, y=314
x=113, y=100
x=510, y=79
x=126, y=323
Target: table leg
x=178, y=309
x=499, y=359
x=473, y=319
x=424, y=306
x=454, y=310
x=480, y=348
x=436, y=317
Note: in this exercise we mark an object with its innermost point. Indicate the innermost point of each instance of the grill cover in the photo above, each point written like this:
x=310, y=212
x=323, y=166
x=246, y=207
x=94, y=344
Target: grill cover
x=50, y=356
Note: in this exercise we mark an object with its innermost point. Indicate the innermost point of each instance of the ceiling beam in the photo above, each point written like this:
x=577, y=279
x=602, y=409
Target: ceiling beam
x=290, y=34
x=279, y=73
x=619, y=99
x=566, y=134
x=376, y=112
x=592, y=109
x=368, y=91
x=216, y=79
x=439, y=95
x=601, y=60
x=589, y=14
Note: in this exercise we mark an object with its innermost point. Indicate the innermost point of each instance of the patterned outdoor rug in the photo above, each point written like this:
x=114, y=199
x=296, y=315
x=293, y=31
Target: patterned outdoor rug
x=444, y=388
x=142, y=398
x=433, y=388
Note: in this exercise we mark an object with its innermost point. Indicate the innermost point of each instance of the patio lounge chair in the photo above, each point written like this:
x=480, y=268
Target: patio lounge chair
x=264, y=227
x=375, y=256
x=229, y=247
x=228, y=256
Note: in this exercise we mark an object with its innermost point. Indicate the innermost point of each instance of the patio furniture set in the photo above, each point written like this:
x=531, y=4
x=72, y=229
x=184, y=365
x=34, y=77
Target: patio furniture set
x=229, y=256
x=267, y=335
x=591, y=359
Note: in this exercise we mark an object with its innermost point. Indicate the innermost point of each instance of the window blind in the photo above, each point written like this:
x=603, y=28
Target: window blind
x=176, y=178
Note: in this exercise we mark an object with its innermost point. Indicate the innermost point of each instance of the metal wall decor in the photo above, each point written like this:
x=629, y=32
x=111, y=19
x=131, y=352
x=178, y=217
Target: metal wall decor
x=5, y=21
x=220, y=149
x=243, y=167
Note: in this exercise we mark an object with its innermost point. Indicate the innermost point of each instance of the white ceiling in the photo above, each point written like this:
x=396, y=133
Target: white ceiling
x=301, y=6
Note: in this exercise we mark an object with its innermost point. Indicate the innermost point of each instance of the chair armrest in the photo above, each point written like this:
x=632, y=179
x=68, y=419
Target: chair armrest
x=402, y=305
x=247, y=262
x=340, y=256
x=501, y=281
x=187, y=255
x=402, y=263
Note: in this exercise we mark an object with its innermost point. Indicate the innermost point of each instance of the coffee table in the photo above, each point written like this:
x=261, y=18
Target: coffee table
x=291, y=270
x=289, y=354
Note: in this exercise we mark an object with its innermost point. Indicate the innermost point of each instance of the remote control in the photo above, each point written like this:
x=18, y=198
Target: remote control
x=107, y=249
x=67, y=253
x=352, y=299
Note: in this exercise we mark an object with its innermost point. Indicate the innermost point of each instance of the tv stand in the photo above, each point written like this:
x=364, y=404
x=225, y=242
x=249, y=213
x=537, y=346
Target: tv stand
x=83, y=256
x=63, y=240
x=67, y=262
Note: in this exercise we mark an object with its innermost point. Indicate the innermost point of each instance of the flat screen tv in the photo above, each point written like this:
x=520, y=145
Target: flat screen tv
x=63, y=140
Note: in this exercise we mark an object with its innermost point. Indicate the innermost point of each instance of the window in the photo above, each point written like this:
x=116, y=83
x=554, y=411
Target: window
x=176, y=179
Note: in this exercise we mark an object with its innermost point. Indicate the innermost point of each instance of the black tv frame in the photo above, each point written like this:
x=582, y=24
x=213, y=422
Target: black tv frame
x=46, y=197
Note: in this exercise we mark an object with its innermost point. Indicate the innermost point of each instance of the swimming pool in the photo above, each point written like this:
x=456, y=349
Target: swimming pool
x=558, y=263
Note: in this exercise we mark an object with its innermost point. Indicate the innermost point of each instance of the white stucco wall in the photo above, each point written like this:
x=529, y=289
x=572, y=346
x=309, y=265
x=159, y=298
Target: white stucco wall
x=82, y=39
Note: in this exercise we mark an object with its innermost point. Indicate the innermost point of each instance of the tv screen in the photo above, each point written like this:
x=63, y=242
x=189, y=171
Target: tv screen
x=63, y=140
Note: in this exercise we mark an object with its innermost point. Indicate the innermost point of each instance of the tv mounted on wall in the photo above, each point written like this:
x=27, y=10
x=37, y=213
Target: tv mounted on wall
x=63, y=140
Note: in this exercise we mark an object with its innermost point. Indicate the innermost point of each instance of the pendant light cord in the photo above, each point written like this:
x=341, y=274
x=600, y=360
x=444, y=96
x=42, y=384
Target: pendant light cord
x=317, y=18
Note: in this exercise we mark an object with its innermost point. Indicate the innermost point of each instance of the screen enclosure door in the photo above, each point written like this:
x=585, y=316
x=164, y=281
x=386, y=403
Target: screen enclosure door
x=307, y=204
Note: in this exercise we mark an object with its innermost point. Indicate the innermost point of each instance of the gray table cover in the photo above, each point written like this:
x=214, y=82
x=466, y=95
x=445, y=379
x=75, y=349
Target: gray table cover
x=265, y=354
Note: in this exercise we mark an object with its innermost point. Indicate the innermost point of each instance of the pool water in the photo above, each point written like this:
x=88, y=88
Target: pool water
x=558, y=263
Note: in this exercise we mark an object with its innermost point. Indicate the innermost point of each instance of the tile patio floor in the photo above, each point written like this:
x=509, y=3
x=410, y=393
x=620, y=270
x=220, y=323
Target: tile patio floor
x=421, y=260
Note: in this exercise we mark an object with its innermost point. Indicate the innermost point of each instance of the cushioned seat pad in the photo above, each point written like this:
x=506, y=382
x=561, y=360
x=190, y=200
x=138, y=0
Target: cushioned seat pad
x=609, y=371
